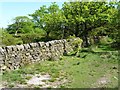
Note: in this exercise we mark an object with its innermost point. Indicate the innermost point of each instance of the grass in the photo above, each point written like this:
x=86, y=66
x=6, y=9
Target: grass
x=88, y=71
x=80, y=72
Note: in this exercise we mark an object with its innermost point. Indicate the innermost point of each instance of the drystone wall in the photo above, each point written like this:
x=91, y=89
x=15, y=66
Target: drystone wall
x=13, y=57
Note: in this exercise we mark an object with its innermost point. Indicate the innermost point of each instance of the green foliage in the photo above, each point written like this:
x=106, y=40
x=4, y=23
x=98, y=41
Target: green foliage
x=78, y=72
x=76, y=44
x=49, y=19
x=105, y=40
x=1, y=32
x=77, y=41
x=12, y=77
x=82, y=19
x=21, y=24
x=115, y=26
x=8, y=39
x=30, y=37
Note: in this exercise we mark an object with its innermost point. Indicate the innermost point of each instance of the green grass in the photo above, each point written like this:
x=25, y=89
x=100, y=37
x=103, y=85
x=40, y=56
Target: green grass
x=88, y=71
x=80, y=72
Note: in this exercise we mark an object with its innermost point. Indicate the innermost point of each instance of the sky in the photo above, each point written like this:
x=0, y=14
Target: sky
x=9, y=10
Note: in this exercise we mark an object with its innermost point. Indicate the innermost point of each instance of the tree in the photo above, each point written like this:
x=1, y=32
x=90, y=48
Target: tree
x=115, y=24
x=84, y=17
x=21, y=24
x=49, y=19
x=38, y=16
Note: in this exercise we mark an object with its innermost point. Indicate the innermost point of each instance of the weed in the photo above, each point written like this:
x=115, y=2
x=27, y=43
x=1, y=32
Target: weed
x=97, y=65
x=40, y=85
x=52, y=80
x=28, y=77
x=43, y=80
x=37, y=87
x=62, y=86
x=10, y=85
x=49, y=87
x=81, y=75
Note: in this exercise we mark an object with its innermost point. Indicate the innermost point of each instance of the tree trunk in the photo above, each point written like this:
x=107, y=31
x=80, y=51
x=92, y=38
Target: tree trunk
x=86, y=35
x=47, y=35
x=63, y=34
x=16, y=32
x=77, y=30
x=86, y=41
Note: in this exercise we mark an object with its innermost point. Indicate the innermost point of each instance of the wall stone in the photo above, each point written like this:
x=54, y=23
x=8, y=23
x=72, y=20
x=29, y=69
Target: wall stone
x=13, y=57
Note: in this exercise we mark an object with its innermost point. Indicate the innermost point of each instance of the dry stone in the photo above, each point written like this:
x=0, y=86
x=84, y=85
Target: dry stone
x=12, y=57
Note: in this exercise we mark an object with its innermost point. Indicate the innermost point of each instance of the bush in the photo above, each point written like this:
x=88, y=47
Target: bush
x=8, y=39
x=34, y=36
x=76, y=44
x=105, y=40
x=30, y=37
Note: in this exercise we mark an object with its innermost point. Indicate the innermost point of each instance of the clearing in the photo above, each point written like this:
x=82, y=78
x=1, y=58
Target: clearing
x=96, y=69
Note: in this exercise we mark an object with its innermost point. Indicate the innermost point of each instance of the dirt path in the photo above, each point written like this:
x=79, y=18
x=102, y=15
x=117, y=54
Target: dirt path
x=39, y=81
x=101, y=82
x=105, y=80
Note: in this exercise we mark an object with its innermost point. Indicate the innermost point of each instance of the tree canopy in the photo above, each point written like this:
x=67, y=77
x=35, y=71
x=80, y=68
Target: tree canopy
x=21, y=24
x=82, y=19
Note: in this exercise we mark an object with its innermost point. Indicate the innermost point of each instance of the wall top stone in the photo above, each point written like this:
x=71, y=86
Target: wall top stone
x=15, y=56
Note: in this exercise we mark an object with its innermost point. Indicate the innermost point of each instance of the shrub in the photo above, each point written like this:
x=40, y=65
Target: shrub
x=105, y=40
x=9, y=39
x=76, y=43
x=30, y=37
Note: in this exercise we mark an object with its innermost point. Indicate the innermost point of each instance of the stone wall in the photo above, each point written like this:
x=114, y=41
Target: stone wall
x=12, y=57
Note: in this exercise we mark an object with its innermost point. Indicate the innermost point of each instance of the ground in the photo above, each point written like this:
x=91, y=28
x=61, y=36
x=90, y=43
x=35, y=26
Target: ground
x=91, y=68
